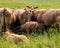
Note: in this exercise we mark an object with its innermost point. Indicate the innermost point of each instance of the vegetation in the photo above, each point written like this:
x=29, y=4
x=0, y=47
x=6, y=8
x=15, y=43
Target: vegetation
x=24, y=3
x=46, y=40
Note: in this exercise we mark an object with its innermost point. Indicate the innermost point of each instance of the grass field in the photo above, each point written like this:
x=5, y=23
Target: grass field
x=24, y=3
x=47, y=40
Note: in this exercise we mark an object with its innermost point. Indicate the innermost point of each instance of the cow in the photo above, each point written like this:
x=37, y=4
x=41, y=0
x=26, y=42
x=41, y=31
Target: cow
x=36, y=14
x=8, y=17
x=14, y=17
x=49, y=17
x=15, y=37
x=52, y=18
x=1, y=20
x=31, y=27
x=22, y=16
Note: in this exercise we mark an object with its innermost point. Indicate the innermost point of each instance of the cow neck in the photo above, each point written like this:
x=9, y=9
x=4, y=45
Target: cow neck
x=33, y=16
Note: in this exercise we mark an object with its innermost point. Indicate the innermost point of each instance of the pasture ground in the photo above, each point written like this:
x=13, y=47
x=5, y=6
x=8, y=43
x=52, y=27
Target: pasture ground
x=47, y=40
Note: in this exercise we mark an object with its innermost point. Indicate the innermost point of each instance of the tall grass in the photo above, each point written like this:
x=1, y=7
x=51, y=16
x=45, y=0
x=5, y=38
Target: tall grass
x=46, y=40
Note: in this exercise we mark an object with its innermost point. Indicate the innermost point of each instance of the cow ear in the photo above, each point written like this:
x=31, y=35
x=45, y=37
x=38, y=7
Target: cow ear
x=28, y=6
x=24, y=8
x=36, y=7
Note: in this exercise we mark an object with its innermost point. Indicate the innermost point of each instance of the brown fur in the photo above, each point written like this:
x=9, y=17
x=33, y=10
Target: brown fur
x=1, y=19
x=37, y=14
x=22, y=16
x=8, y=17
x=48, y=17
x=14, y=37
x=51, y=17
x=13, y=18
x=31, y=27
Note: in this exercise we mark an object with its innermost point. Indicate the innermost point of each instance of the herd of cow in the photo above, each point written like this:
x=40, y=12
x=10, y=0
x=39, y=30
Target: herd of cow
x=28, y=20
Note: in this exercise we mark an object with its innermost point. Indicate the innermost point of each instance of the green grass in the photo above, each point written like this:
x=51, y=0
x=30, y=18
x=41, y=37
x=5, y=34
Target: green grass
x=24, y=3
x=47, y=40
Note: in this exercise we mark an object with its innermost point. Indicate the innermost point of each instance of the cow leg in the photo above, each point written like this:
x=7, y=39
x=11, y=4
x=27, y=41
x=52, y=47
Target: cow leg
x=27, y=31
x=33, y=31
x=4, y=27
x=46, y=28
x=58, y=28
x=42, y=31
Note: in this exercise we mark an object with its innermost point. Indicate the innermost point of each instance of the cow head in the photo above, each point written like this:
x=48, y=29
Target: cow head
x=32, y=8
x=25, y=16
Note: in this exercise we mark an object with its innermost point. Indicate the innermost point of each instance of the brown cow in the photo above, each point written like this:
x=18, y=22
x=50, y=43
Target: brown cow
x=1, y=19
x=8, y=16
x=22, y=16
x=14, y=37
x=13, y=18
x=31, y=27
x=48, y=17
x=51, y=17
x=37, y=14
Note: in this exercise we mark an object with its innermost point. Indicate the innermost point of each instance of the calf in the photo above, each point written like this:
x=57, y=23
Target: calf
x=14, y=37
x=31, y=27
